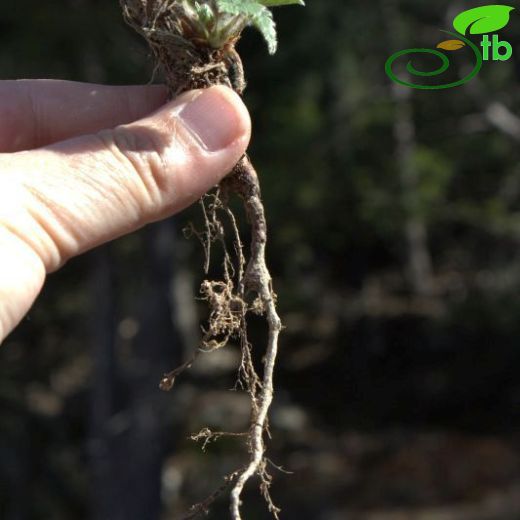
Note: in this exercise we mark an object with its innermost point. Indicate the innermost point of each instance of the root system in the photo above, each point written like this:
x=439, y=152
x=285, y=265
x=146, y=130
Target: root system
x=246, y=285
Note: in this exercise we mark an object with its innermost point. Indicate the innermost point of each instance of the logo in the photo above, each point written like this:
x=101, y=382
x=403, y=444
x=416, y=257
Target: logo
x=482, y=21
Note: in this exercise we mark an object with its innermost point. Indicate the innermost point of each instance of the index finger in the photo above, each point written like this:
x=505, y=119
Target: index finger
x=36, y=113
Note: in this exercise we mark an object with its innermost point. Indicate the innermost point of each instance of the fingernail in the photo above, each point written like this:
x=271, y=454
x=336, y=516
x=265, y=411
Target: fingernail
x=214, y=118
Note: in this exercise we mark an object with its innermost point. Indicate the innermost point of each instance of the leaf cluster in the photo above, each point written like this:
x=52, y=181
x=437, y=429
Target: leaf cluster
x=219, y=22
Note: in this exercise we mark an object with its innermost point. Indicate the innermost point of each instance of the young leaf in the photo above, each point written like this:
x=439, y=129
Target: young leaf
x=240, y=7
x=255, y=14
x=482, y=20
x=451, y=45
x=204, y=13
x=265, y=24
x=276, y=3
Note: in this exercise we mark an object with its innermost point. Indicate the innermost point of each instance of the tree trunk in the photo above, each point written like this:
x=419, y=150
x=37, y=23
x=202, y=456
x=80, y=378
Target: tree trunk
x=419, y=268
x=129, y=413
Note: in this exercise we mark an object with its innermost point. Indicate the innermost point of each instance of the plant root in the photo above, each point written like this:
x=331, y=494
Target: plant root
x=244, y=182
x=246, y=285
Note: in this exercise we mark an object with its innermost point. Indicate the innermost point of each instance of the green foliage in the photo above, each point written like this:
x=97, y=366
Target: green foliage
x=219, y=22
x=255, y=13
x=482, y=20
x=277, y=3
x=204, y=13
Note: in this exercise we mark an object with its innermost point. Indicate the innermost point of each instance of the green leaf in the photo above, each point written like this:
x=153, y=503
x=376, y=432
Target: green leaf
x=247, y=8
x=482, y=20
x=204, y=13
x=276, y=3
x=265, y=24
x=256, y=15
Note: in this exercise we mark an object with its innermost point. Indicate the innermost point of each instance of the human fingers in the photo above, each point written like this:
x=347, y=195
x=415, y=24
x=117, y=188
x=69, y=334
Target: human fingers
x=35, y=113
x=88, y=190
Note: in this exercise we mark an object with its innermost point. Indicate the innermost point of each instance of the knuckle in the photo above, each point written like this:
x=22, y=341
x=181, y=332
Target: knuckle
x=28, y=216
x=142, y=154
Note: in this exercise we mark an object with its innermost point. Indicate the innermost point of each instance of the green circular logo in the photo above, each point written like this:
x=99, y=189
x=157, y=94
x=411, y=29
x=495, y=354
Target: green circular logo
x=437, y=72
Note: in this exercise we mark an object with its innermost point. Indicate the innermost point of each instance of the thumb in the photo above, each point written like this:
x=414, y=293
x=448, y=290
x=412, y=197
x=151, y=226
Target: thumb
x=79, y=193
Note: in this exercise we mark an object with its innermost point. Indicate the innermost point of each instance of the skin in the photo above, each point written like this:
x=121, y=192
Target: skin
x=83, y=164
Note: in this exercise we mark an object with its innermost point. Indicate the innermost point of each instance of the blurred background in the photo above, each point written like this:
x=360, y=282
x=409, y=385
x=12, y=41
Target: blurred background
x=395, y=248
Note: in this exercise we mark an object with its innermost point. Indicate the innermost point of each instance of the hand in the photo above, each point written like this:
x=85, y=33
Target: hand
x=75, y=171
